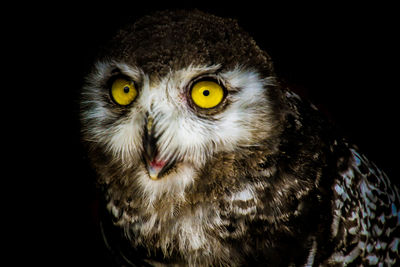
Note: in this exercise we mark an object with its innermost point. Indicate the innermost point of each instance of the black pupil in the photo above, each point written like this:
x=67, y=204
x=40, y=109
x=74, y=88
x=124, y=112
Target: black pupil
x=126, y=89
x=206, y=92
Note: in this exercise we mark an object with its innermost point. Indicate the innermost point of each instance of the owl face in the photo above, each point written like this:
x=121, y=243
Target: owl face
x=158, y=109
x=168, y=128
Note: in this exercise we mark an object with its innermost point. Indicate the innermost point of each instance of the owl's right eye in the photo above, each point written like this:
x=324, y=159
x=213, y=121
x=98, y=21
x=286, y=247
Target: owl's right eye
x=123, y=91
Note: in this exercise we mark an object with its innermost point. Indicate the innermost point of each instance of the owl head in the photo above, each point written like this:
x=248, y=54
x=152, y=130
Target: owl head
x=174, y=100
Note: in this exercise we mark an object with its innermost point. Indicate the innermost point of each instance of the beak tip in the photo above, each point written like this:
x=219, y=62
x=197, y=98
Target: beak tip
x=154, y=178
x=153, y=173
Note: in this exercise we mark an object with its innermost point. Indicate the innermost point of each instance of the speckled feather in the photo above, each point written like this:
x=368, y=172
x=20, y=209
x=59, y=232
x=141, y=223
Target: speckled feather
x=289, y=191
x=169, y=40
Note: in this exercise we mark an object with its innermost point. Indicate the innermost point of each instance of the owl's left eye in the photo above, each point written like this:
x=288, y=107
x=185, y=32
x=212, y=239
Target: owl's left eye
x=123, y=91
x=207, y=94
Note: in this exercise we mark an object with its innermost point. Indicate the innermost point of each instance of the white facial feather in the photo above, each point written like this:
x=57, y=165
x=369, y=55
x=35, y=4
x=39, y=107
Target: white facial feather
x=173, y=186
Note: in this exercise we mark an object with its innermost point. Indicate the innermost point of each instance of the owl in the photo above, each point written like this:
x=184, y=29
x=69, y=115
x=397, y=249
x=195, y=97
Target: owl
x=205, y=158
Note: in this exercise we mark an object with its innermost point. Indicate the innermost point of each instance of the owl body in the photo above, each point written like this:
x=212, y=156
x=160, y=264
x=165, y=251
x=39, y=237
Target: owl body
x=243, y=173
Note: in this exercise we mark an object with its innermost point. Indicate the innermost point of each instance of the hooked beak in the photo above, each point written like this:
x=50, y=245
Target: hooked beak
x=156, y=166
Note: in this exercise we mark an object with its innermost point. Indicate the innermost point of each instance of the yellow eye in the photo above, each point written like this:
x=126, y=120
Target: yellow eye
x=207, y=94
x=123, y=91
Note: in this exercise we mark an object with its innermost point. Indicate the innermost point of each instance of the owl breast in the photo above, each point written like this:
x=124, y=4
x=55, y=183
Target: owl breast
x=199, y=230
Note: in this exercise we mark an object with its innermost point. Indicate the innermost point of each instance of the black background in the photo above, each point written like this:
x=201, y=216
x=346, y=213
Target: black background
x=343, y=58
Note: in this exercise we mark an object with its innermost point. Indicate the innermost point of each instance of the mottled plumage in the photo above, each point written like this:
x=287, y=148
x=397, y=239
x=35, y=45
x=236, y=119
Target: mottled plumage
x=260, y=179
